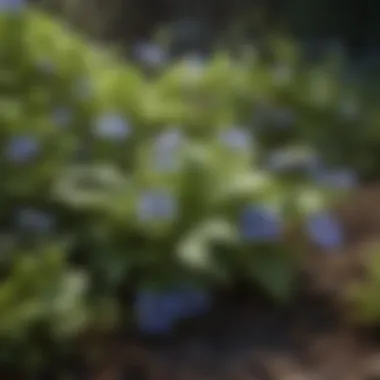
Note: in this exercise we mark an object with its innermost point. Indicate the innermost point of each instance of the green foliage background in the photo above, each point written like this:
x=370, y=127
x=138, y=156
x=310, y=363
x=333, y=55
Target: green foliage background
x=353, y=23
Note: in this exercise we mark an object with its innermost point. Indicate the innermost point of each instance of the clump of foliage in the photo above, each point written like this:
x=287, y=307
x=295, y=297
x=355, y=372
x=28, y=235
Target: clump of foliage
x=40, y=296
x=151, y=181
x=282, y=98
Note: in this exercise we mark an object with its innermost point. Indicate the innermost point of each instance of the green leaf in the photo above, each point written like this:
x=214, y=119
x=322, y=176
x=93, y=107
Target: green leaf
x=68, y=306
x=275, y=273
x=246, y=185
x=195, y=251
x=90, y=186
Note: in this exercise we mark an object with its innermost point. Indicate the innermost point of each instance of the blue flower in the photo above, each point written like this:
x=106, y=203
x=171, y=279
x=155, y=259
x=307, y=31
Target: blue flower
x=236, y=138
x=112, y=127
x=260, y=223
x=156, y=205
x=324, y=230
x=12, y=5
x=169, y=140
x=21, y=149
x=150, y=54
x=153, y=317
x=173, y=303
x=186, y=302
x=34, y=220
x=157, y=311
x=166, y=162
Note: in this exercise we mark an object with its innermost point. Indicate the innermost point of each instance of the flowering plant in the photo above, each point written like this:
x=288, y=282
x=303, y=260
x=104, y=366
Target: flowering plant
x=281, y=96
x=149, y=181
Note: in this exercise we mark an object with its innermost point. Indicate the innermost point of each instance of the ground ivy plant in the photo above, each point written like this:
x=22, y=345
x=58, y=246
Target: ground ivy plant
x=151, y=181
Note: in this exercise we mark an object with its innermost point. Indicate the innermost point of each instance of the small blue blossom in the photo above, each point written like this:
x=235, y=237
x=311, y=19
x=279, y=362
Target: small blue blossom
x=169, y=140
x=150, y=54
x=165, y=162
x=186, y=302
x=34, y=220
x=156, y=206
x=21, y=149
x=260, y=223
x=324, y=230
x=236, y=138
x=174, y=303
x=11, y=5
x=157, y=311
x=153, y=316
x=112, y=127
x=62, y=117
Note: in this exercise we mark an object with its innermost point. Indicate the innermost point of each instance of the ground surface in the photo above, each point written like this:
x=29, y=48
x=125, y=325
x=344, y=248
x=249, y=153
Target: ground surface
x=247, y=343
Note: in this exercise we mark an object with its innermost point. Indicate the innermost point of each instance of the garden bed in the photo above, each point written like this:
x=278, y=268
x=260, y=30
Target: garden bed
x=247, y=337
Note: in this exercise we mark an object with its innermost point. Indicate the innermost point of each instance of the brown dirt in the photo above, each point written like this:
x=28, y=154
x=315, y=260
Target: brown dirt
x=251, y=344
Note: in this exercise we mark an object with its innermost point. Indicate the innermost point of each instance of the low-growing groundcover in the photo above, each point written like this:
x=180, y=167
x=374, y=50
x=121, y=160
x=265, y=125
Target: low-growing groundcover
x=109, y=178
x=279, y=94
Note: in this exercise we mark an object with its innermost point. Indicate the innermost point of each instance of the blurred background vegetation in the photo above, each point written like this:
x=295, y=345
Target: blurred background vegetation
x=353, y=23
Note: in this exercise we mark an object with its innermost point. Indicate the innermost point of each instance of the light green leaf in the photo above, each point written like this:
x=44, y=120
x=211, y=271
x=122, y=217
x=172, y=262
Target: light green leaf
x=195, y=250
